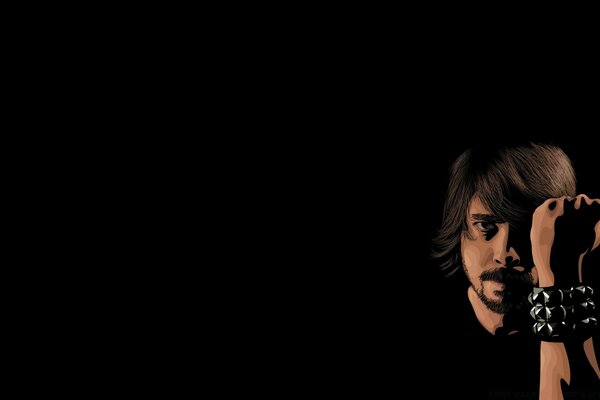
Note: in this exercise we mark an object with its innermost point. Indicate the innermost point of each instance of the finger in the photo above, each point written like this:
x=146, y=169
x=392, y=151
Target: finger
x=552, y=204
x=569, y=203
x=581, y=198
x=597, y=241
x=561, y=203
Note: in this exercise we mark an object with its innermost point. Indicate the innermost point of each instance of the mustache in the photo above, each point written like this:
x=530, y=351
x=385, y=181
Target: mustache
x=507, y=276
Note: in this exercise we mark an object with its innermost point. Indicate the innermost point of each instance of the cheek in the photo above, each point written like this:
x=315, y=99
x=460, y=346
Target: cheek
x=475, y=255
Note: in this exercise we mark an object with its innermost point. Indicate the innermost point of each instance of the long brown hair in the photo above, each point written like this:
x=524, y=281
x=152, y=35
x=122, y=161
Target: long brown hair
x=509, y=181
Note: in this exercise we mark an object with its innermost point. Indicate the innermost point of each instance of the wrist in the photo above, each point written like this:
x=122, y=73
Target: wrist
x=565, y=275
x=563, y=313
x=545, y=277
x=546, y=280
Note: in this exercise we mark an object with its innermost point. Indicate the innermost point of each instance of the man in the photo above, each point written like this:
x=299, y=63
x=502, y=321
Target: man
x=512, y=220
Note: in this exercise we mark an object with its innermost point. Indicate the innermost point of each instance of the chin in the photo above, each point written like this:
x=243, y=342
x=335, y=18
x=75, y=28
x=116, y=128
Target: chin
x=499, y=304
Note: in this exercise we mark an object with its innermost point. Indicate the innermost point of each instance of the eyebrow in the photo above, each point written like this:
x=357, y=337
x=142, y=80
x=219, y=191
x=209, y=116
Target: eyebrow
x=487, y=218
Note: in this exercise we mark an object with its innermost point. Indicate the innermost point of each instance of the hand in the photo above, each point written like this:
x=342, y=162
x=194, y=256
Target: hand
x=563, y=231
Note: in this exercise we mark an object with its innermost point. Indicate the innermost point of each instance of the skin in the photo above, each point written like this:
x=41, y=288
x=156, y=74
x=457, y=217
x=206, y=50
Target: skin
x=554, y=361
x=487, y=247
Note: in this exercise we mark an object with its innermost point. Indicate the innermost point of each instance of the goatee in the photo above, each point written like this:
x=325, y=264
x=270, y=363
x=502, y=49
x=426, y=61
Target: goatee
x=517, y=285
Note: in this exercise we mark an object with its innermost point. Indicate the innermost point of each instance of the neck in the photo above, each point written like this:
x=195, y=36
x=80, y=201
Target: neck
x=487, y=318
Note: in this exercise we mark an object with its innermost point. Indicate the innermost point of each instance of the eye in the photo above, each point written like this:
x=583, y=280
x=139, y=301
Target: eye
x=485, y=226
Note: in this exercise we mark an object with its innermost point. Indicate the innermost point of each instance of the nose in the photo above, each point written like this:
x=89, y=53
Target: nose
x=504, y=254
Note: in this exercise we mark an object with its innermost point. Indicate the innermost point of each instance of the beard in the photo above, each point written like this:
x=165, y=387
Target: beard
x=517, y=285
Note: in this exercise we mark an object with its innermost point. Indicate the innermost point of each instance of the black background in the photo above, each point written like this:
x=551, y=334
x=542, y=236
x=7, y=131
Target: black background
x=376, y=132
x=382, y=198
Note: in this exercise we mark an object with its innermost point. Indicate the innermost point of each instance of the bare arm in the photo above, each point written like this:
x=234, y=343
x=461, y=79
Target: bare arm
x=554, y=360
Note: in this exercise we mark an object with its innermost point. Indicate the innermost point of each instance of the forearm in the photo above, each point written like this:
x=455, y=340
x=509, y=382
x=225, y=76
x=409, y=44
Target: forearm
x=554, y=361
x=554, y=367
x=590, y=354
x=558, y=360
x=561, y=235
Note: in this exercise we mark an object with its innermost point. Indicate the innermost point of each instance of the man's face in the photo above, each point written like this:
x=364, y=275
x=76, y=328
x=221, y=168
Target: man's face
x=496, y=259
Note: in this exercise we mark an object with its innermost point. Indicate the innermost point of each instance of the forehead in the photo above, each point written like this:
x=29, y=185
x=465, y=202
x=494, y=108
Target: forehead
x=477, y=207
